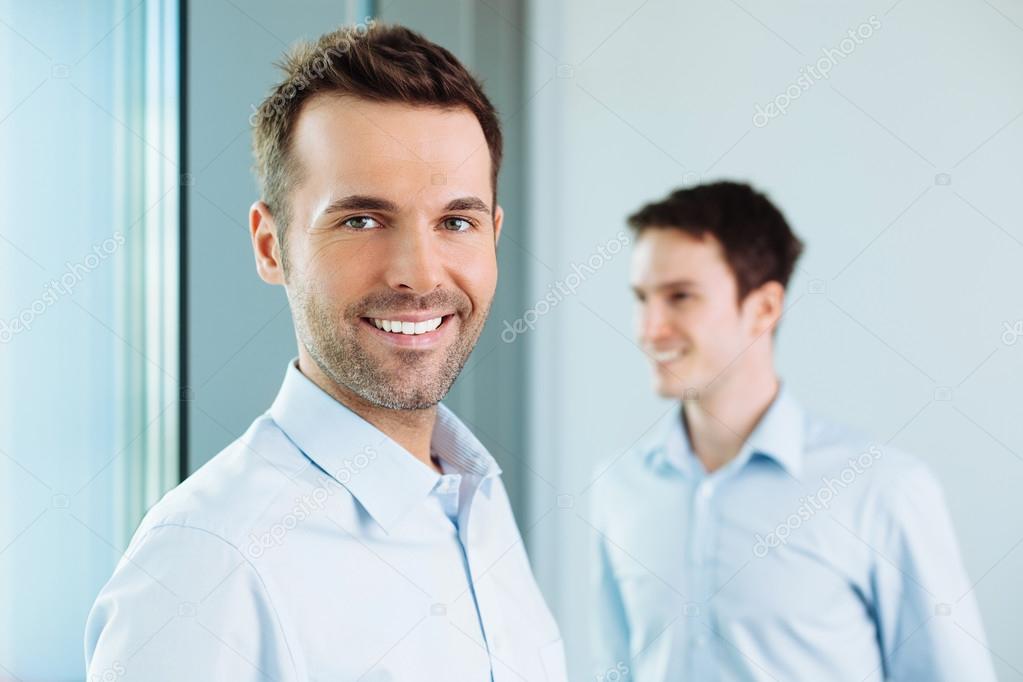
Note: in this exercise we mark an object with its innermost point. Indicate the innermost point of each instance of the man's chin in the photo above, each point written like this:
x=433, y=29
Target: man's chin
x=674, y=389
x=668, y=392
x=417, y=385
x=398, y=397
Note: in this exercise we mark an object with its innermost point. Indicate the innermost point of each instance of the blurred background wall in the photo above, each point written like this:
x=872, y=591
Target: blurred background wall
x=899, y=169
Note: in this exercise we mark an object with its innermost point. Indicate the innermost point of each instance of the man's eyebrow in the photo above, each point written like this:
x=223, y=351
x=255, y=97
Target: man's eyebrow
x=677, y=284
x=467, y=204
x=360, y=202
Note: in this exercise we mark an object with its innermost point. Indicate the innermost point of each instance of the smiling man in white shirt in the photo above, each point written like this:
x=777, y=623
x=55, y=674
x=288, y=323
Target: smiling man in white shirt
x=747, y=538
x=357, y=530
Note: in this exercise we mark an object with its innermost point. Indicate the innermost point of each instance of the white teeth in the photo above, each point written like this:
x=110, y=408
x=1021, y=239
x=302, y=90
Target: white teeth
x=666, y=355
x=411, y=328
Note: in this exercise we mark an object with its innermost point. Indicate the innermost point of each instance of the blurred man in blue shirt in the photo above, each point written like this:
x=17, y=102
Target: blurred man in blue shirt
x=357, y=530
x=746, y=538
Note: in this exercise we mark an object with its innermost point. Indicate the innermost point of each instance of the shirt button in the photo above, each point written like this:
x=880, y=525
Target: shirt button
x=700, y=641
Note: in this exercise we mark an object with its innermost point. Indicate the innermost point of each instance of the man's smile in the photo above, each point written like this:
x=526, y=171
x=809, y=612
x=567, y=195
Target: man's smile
x=420, y=330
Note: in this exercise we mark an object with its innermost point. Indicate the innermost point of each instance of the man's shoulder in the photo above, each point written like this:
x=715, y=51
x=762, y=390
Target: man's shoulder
x=227, y=495
x=636, y=463
x=885, y=474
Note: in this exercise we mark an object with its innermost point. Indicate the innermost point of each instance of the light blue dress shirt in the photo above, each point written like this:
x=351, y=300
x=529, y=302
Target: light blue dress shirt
x=316, y=548
x=814, y=555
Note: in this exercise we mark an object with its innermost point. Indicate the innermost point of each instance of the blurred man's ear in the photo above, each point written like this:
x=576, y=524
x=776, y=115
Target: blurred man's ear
x=765, y=304
x=498, y=221
x=265, y=246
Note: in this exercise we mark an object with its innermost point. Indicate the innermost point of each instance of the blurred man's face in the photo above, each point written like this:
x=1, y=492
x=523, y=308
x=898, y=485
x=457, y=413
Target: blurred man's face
x=392, y=246
x=689, y=321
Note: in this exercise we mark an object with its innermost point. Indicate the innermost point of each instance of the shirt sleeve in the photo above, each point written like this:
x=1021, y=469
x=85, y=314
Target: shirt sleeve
x=928, y=622
x=184, y=604
x=610, y=631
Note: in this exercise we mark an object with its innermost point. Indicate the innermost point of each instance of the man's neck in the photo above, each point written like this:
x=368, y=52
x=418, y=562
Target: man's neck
x=722, y=418
x=411, y=429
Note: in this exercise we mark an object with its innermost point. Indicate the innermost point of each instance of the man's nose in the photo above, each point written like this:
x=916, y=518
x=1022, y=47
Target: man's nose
x=655, y=323
x=416, y=264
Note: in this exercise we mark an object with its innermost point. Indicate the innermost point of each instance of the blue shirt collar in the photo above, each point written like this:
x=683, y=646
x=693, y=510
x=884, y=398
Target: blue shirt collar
x=385, y=478
x=778, y=436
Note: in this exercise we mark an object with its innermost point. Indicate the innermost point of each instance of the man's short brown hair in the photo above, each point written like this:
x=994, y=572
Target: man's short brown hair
x=758, y=244
x=372, y=61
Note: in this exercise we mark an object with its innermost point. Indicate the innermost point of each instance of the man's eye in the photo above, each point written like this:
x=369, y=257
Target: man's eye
x=361, y=222
x=679, y=296
x=457, y=224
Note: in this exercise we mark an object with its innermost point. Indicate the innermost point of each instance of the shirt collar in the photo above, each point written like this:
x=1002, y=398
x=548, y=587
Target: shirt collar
x=385, y=478
x=777, y=436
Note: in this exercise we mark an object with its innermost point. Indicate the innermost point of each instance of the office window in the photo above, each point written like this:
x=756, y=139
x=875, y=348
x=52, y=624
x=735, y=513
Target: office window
x=89, y=192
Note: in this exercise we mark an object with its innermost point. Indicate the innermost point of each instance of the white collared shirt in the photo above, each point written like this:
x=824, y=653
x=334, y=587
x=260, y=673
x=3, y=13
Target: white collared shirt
x=316, y=548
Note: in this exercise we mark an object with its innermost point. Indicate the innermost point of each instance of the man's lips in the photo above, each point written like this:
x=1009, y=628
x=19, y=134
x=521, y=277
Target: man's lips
x=419, y=316
x=410, y=330
x=666, y=356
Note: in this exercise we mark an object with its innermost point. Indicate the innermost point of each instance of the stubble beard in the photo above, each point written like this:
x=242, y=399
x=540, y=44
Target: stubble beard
x=415, y=381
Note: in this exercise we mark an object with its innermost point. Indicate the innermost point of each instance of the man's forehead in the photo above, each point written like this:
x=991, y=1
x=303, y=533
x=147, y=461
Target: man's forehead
x=385, y=132
x=347, y=146
x=669, y=256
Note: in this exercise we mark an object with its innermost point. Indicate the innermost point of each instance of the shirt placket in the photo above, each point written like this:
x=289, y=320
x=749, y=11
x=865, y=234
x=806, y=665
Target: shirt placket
x=481, y=555
x=701, y=552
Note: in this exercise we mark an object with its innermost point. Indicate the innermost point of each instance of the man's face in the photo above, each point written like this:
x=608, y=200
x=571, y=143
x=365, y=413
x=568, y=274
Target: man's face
x=392, y=246
x=688, y=319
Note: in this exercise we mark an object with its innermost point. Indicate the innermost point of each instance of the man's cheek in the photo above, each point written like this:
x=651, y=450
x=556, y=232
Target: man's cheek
x=480, y=284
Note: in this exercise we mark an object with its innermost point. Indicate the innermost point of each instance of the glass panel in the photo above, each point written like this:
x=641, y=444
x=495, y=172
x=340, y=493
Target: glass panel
x=88, y=308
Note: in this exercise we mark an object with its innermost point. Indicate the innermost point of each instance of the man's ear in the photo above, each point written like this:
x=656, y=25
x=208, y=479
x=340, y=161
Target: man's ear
x=498, y=222
x=768, y=302
x=265, y=246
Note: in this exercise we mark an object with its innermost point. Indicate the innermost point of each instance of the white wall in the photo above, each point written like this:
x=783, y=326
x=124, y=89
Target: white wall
x=900, y=171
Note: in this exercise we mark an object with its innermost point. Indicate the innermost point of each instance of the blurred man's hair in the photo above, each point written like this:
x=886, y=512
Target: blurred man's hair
x=373, y=62
x=757, y=242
